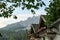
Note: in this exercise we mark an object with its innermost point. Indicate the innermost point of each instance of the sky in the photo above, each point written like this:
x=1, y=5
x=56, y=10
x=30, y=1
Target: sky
x=22, y=15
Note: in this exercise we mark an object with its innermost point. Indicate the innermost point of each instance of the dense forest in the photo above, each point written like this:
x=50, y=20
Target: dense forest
x=9, y=35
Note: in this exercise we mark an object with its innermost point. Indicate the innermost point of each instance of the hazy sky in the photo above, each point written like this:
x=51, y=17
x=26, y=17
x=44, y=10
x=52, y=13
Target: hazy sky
x=22, y=15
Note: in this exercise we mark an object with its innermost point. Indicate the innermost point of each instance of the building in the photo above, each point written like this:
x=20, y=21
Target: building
x=33, y=31
x=37, y=29
x=43, y=32
x=56, y=24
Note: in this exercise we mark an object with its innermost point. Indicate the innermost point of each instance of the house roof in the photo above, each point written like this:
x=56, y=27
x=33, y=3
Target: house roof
x=35, y=27
x=43, y=17
x=53, y=23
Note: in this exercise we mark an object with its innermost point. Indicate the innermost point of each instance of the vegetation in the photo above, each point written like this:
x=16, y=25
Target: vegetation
x=11, y=38
x=53, y=11
x=26, y=35
x=12, y=35
x=28, y=4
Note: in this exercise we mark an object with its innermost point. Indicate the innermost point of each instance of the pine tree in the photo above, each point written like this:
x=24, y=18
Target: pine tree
x=53, y=11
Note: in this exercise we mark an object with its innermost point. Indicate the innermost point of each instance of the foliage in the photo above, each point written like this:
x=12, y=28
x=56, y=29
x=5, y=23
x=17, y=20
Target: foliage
x=11, y=38
x=53, y=11
x=26, y=35
x=28, y=4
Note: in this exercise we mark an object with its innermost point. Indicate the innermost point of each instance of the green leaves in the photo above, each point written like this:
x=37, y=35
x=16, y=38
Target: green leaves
x=37, y=4
x=43, y=3
x=53, y=11
x=23, y=8
x=24, y=0
x=33, y=11
x=38, y=0
x=31, y=1
x=14, y=1
x=0, y=15
x=16, y=5
x=28, y=4
x=2, y=5
x=15, y=17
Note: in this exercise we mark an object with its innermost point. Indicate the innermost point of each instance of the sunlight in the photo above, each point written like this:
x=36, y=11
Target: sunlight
x=2, y=25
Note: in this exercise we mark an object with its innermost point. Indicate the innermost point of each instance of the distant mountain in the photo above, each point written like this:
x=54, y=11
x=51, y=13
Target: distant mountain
x=13, y=27
x=22, y=24
x=30, y=20
x=17, y=30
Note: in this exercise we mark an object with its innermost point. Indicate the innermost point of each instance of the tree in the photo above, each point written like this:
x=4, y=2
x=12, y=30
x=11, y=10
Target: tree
x=53, y=11
x=26, y=35
x=11, y=38
x=28, y=4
